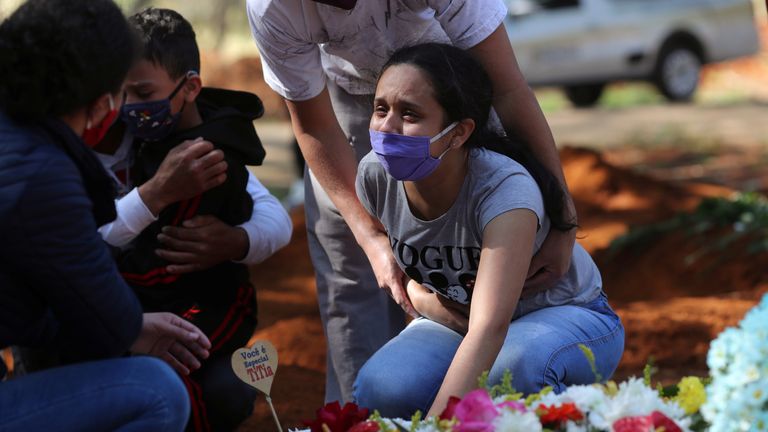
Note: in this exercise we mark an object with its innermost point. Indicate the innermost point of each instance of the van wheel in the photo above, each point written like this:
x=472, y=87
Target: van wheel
x=584, y=95
x=677, y=72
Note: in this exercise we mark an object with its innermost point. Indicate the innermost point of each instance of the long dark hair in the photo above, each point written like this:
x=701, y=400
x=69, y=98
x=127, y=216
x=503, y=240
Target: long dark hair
x=462, y=87
x=57, y=56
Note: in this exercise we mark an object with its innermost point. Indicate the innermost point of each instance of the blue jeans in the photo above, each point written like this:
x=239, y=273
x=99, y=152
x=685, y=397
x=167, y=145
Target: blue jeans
x=125, y=394
x=541, y=349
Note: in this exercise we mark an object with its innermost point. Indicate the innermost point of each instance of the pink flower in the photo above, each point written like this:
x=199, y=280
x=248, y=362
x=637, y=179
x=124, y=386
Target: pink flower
x=474, y=412
x=513, y=405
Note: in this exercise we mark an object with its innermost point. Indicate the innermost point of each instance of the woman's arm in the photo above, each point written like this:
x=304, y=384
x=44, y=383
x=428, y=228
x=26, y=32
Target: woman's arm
x=436, y=308
x=506, y=254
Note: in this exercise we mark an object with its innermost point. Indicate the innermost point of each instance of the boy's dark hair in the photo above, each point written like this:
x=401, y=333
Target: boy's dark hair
x=464, y=90
x=57, y=56
x=169, y=40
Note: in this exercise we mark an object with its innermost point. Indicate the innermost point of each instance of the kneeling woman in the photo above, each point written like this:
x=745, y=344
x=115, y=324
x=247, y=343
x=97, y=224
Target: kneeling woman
x=465, y=210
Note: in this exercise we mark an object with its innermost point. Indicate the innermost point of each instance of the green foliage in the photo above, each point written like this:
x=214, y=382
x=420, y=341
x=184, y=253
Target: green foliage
x=648, y=371
x=744, y=215
x=592, y=363
x=482, y=380
x=415, y=421
x=533, y=397
x=496, y=390
x=625, y=95
x=383, y=426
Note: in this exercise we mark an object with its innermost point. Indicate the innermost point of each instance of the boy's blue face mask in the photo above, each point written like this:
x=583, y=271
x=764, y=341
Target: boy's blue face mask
x=152, y=120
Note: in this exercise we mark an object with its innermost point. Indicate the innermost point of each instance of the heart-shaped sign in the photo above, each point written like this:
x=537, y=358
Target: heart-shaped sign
x=256, y=365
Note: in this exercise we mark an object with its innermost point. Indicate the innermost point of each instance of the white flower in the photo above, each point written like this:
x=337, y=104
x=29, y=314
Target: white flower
x=515, y=421
x=634, y=398
x=586, y=397
x=738, y=360
x=573, y=427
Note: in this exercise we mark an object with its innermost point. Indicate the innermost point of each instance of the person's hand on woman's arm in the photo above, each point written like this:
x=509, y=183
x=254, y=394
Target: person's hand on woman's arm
x=436, y=308
x=503, y=266
x=332, y=161
x=518, y=110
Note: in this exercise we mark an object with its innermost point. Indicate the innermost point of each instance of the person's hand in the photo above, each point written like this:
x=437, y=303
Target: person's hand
x=550, y=263
x=201, y=243
x=389, y=276
x=439, y=309
x=189, y=169
x=173, y=339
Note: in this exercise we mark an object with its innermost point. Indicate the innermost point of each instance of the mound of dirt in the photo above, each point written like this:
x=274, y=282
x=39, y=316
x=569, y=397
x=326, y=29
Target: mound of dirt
x=243, y=74
x=671, y=309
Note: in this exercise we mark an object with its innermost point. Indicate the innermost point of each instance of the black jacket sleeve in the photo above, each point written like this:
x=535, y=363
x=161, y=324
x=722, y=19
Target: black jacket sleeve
x=229, y=201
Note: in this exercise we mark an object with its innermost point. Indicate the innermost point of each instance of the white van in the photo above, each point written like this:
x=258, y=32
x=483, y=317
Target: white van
x=581, y=45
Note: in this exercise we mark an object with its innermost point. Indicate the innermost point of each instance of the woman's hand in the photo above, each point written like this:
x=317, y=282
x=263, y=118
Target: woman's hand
x=436, y=308
x=173, y=339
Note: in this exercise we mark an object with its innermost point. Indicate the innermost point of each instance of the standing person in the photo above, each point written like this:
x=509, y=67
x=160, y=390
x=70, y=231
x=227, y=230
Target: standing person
x=62, y=64
x=466, y=209
x=323, y=58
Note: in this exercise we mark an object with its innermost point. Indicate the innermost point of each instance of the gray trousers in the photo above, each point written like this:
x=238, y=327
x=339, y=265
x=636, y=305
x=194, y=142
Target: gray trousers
x=358, y=317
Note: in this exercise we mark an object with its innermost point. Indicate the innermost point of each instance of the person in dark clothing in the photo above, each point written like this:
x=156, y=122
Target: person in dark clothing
x=62, y=64
x=166, y=105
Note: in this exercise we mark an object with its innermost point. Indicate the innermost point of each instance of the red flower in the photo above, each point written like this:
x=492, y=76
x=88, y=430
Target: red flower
x=366, y=426
x=338, y=419
x=450, y=408
x=661, y=421
x=633, y=424
x=656, y=421
x=554, y=417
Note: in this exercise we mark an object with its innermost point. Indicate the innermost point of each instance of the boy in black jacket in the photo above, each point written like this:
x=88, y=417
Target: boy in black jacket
x=165, y=105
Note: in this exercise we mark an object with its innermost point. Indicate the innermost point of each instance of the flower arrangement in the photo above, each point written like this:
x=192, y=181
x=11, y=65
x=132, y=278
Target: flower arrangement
x=734, y=399
x=737, y=398
x=631, y=406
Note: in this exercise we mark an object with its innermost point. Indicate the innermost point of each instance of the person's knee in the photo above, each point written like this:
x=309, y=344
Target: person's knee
x=529, y=369
x=393, y=391
x=166, y=393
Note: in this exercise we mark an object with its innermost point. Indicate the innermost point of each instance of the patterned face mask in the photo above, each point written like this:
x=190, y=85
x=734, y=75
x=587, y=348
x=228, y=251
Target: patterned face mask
x=407, y=157
x=152, y=121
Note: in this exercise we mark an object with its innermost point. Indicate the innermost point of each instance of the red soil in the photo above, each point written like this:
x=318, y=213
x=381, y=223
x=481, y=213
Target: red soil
x=671, y=310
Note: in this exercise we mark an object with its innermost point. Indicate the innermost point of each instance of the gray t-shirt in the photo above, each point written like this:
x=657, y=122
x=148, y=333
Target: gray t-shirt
x=443, y=254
